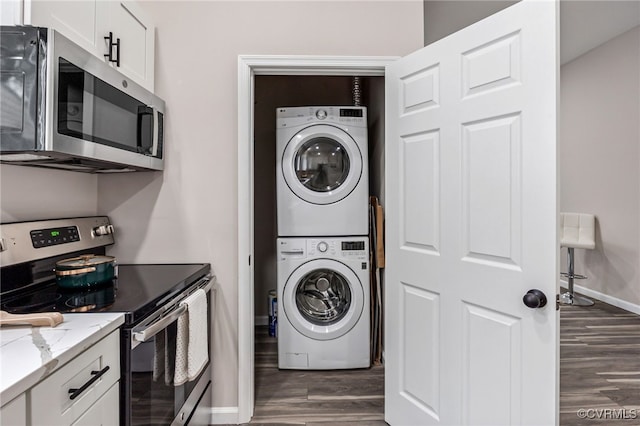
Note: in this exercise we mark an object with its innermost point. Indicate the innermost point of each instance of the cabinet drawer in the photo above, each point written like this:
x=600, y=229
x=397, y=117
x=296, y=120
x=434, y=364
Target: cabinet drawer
x=51, y=399
x=102, y=412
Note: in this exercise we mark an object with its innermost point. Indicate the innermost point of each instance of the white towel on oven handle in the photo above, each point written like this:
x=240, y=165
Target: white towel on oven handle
x=192, y=343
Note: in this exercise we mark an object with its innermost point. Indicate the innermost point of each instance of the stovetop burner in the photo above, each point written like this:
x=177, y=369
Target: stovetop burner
x=35, y=302
x=93, y=299
x=50, y=297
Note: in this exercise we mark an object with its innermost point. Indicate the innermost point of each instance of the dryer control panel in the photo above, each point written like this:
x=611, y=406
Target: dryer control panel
x=355, y=116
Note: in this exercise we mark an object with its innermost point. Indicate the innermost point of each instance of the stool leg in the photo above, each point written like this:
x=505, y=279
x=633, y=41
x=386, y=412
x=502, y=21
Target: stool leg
x=570, y=269
x=570, y=298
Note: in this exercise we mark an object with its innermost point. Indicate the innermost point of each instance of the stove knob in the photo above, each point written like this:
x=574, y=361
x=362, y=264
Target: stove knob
x=103, y=230
x=322, y=247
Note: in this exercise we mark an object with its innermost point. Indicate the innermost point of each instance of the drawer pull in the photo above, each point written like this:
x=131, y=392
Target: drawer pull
x=96, y=375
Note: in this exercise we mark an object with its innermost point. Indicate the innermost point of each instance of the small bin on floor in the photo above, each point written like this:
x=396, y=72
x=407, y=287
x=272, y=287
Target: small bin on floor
x=273, y=314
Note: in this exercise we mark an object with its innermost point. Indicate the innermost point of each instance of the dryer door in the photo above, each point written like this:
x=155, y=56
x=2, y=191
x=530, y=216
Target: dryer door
x=322, y=164
x=323, y=299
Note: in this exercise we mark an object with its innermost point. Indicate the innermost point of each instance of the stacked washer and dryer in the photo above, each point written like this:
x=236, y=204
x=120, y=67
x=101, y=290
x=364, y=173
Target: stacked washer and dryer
x=322, y=187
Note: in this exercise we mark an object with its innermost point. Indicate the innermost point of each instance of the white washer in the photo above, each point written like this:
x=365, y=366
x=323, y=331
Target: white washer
x=322, y=172
x=323, y=303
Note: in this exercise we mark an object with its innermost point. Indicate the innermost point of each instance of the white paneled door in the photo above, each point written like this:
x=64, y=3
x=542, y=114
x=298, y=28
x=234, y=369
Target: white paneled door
x=471, y=225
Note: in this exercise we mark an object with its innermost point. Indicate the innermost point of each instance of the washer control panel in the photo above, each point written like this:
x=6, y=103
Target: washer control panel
x=321, y=247
x=340, y=248
x=348, y=248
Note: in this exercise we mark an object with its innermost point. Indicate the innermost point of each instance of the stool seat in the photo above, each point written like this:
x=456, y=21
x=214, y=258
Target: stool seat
x=577, y=230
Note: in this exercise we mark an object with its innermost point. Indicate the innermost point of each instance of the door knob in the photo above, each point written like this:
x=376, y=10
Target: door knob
x=534, y=299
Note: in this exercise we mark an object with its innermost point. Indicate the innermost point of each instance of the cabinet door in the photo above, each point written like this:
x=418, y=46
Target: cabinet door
x=471, y=225
x=15, y=412
x=51, y=403
x=104, y=412
x=74, y=19
x=129, y=23
x=11, y=12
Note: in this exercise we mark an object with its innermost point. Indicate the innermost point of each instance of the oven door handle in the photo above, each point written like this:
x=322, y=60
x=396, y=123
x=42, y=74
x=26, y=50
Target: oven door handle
x=146, y=333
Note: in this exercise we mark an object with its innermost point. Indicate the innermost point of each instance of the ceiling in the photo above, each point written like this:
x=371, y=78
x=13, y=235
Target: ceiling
x=586, y=24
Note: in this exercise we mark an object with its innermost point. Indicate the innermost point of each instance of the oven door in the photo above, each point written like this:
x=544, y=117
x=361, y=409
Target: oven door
x=150, y=396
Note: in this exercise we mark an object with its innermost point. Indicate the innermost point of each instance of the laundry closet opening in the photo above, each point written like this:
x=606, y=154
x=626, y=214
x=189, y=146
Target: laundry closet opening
x=277, y=91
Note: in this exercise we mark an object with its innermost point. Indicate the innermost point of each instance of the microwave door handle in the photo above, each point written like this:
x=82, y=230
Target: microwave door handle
x=156, y=127
x=144, y=334
x=144, y=111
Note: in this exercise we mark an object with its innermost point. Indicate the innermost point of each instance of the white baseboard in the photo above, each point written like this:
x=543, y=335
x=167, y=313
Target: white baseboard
x=622, y=304
x=224, y=415
x=261, y=320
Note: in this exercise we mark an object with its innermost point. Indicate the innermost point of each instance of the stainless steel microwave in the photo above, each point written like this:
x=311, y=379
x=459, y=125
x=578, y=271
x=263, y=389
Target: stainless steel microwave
x=62, y=107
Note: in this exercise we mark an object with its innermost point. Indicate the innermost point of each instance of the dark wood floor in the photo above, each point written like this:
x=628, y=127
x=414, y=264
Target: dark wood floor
x=318, y=398
x=599, y=365
x=599, y=369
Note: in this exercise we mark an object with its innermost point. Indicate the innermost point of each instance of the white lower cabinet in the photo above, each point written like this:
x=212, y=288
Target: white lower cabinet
x=84, y=391
x=14, y=413
x=102, y=412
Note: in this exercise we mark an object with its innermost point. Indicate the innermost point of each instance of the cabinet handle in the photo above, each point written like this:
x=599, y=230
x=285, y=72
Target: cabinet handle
x=96, y=375
x=117, y=44
x=109, y=55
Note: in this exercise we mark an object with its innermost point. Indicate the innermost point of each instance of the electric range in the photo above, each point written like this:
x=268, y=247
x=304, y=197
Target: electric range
x=148, y=295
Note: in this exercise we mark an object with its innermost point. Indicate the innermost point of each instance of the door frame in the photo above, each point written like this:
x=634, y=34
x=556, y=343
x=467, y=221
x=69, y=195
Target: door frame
x=248, y=67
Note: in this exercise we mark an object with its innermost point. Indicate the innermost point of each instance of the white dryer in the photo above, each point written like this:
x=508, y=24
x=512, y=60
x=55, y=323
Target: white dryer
x=323, y=303
x=322, y=181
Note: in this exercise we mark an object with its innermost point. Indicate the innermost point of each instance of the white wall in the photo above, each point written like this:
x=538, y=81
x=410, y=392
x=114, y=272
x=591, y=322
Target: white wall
x=600, y=161
x=30, y=193
x=189, y=212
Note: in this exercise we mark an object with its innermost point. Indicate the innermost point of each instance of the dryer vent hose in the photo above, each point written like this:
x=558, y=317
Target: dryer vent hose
x=356, y=90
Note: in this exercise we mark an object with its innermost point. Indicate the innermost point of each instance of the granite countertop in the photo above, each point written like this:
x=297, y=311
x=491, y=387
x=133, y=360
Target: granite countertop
x=29, y=354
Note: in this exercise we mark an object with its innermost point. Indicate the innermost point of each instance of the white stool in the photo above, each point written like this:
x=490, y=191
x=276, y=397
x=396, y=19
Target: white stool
x=577, y=230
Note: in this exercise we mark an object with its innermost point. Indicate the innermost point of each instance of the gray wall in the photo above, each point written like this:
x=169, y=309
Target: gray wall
x=278, y=91
x=31, y=193
x=445, y=17
x=600, y=161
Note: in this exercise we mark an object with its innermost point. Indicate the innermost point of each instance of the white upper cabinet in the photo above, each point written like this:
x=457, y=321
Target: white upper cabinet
x=89, y=23
x=74, y=19
x=127, y=22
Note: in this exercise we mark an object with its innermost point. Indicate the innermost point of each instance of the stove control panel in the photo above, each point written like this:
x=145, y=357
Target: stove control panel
x=53, y=236
x=34, y=240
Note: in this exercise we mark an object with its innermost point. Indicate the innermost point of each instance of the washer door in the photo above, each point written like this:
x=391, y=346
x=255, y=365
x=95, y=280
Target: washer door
x=323, y=299
x=322, y=164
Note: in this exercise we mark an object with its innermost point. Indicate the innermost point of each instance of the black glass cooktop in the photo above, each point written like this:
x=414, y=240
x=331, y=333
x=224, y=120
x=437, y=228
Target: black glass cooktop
x=136, y=291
